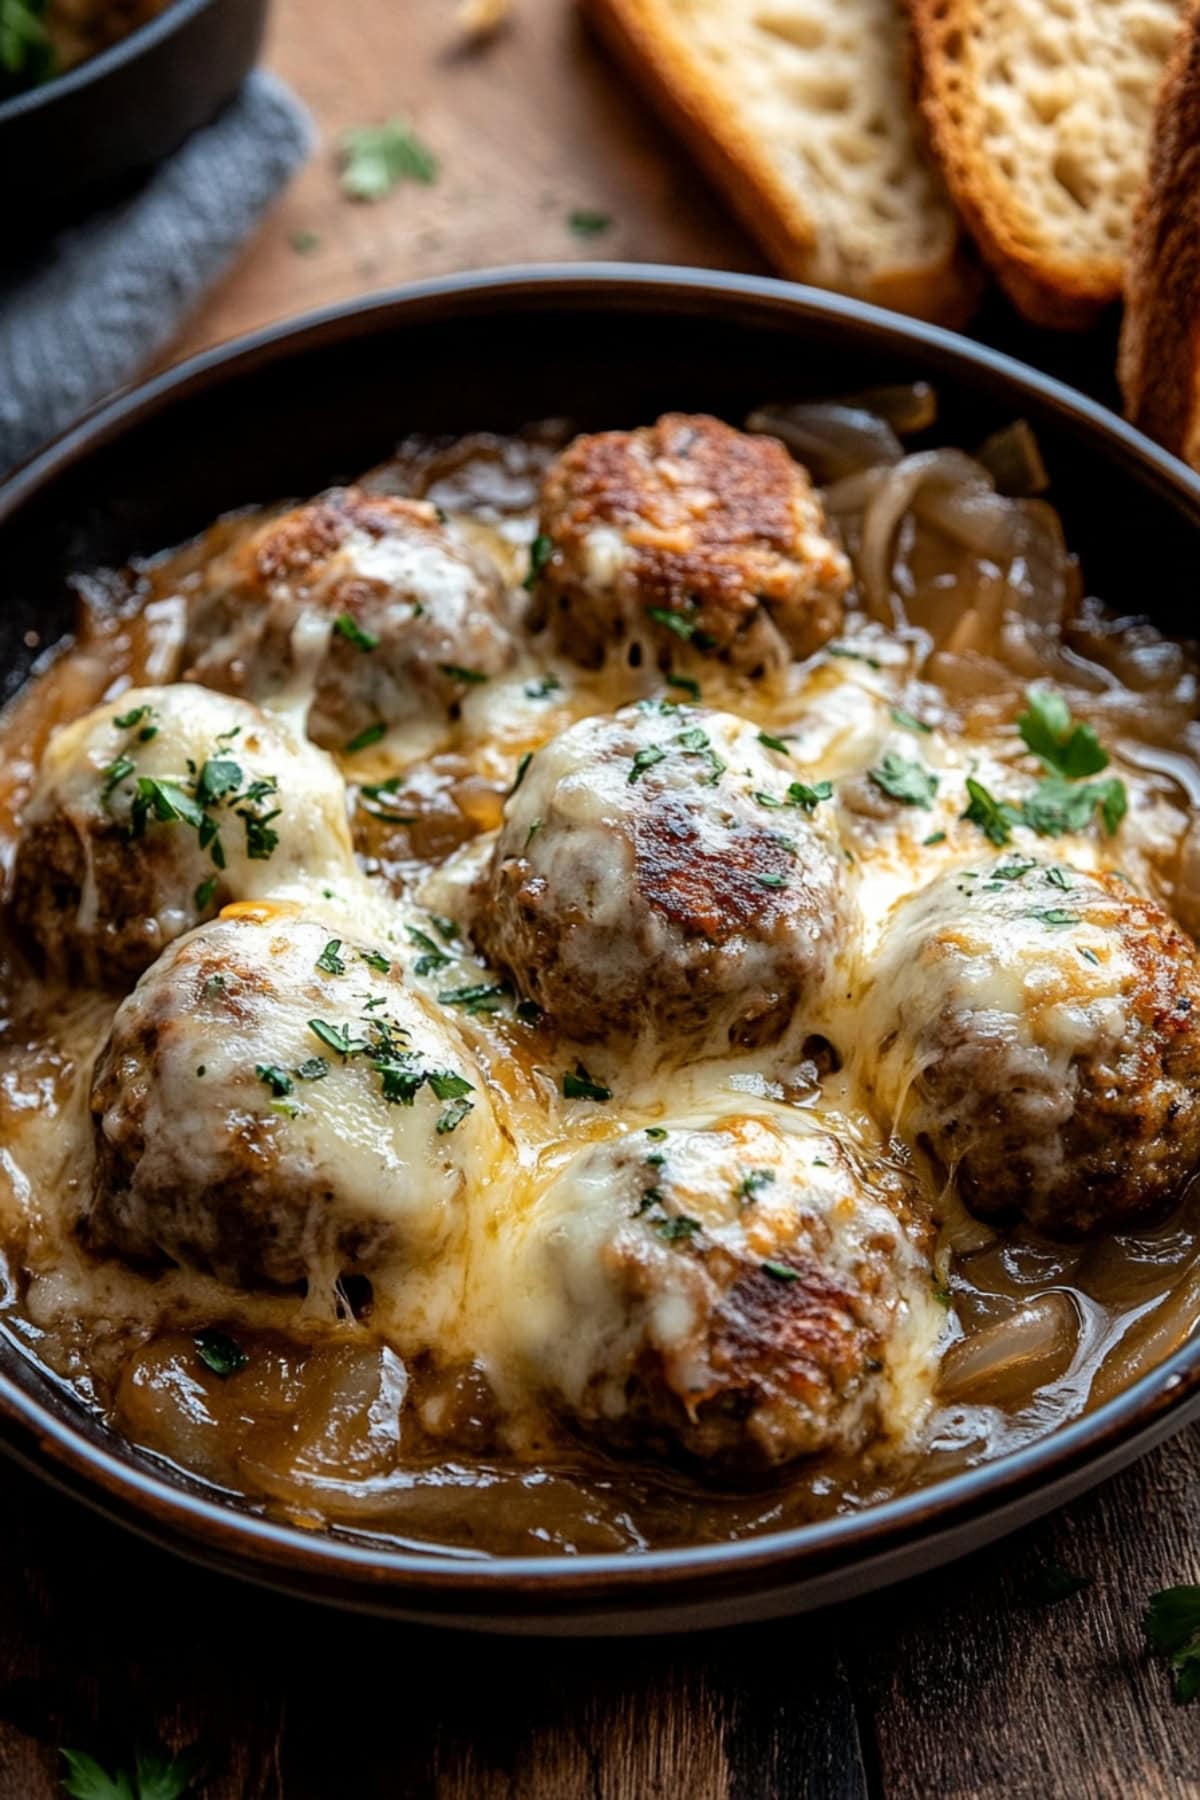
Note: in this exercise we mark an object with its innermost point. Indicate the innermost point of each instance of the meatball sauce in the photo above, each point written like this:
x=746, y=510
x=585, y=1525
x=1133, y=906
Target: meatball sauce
x=608, y=1203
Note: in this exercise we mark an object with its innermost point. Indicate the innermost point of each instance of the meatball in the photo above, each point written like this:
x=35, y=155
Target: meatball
x=686, y=529
x=658, y=872
x=1039, y=1029
x=741, y=1290
x=157, y=809
x=274, y=1105
x=369, y=605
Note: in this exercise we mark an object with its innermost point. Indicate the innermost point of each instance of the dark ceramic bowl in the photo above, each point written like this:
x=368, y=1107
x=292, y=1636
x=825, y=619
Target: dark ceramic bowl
x=76, y=139
x=281, y=414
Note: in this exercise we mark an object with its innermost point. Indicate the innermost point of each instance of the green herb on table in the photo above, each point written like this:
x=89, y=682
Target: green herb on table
x=1172, y=1626
x=376, y=158
x=584, y=222
x=156, y=1775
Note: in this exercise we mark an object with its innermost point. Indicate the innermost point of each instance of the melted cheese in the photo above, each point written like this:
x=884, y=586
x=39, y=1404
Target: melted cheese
x=505, y=1220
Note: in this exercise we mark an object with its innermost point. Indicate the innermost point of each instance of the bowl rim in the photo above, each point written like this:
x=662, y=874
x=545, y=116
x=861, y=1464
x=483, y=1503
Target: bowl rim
x=60, y=1449
x=94, y=68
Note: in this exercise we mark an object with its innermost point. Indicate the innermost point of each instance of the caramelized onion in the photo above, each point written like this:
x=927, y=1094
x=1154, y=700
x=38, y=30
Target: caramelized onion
x=1004, y=1363
x=1162, y=1329
x=829, y=438
x=1013, y=460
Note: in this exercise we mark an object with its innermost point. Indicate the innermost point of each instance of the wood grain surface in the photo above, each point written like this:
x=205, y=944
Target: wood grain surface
x=965, y=1683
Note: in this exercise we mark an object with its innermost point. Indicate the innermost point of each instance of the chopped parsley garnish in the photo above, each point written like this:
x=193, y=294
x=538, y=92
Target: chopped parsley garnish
x=337, y=1038
x=432, y=958
x=447, y=1085
x=587, y=223
x=580, y=1086
x=127, y=721
x=1172, y=1627
x=375, y=158
x=685, y=684
x=909, y=721
x=369, y=735
x=453, y=1115
x=645, y=759
x=205, y=892
x=1058, y=877
x=774, y=743
x=455, y=672
x=377, y=791
x=480, y=997
x=277, y=1079
x=684, y=628
x=852, y=655
x=677, y=1229
x=911, y=783
x=447, y=929
x=994, y=817
x=218, y=777
x=518, y=778
x=329, y=962
x=116, y=772
x=219, y=1352
x=771, y=881
x=780, y=1271
x=1048, y=729
x=547, y=684
x=540, y=552
x=800, y=794
x=1057, y=806
x=375, y=959
x=657, y=1132
x=935, y=837
x=347, y=626
x=752, y=1182
x=1054, y=915
x=313, y=1068
x=695, y=742
x=533, y=831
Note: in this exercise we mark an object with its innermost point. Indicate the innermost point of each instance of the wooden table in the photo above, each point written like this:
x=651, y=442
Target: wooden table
x=964, y=1683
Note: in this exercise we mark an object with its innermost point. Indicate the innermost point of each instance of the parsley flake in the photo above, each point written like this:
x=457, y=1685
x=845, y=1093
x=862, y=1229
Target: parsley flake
x=376, y=158
x=329, y=962
x=911, y=783
x=277, y=1079
x=780, y=1271
x=219, y=1352
x=347, y=626
x=580, y=1086
x=540, y=552
x=371, y=734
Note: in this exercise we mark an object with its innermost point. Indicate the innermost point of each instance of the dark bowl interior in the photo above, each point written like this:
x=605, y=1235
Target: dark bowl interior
x=78, y=139
x=313, y=403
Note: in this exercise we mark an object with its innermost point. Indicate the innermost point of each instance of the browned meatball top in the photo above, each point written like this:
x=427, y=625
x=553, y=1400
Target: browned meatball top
x=372, y=602
x=1039, y=1028
x=659, y=877
x=736, y=1288
x=718, y=532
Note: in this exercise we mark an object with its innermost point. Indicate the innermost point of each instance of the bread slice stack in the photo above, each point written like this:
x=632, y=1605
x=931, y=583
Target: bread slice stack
x=1159, y=364
x=1040, y=113
x=800, y=110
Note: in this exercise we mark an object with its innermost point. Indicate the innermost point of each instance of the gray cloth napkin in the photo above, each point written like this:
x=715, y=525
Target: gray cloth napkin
x=87, y=311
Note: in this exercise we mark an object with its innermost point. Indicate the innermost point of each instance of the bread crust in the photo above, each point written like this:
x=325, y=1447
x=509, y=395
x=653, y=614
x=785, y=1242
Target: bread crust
x=1049, y=288
x=1158, y=364
x=661, y=61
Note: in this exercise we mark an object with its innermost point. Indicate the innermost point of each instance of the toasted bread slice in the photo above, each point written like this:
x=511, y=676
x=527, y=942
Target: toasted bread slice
x=1039, y=112
x=799, y=109
x=1159, y=361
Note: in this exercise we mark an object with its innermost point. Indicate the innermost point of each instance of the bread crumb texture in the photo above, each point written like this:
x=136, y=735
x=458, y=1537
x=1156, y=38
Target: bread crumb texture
x=1040, y=113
